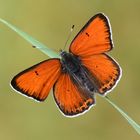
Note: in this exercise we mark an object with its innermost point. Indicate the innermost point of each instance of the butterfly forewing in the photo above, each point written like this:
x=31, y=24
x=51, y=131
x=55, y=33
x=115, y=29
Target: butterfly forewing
x=94, y=38
x=37, y=81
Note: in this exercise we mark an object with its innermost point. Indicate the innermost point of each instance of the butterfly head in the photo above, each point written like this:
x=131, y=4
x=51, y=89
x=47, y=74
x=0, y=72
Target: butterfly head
x=63, y=53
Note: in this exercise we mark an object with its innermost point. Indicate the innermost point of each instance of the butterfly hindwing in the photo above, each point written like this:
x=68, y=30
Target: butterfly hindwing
x=37, y=81
x=94, y=38
x=104, y=70
x=69, y=99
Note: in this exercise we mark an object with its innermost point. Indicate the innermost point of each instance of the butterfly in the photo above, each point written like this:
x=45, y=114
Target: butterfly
x=80, y=73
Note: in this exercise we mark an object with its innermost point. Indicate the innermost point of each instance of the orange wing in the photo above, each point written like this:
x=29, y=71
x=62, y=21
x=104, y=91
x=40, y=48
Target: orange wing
x=69, y=98
x=94, y=38
x=104, y=70
x=37, y=81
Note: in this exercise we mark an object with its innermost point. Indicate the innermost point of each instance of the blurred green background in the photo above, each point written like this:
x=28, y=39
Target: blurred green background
x=50, y=21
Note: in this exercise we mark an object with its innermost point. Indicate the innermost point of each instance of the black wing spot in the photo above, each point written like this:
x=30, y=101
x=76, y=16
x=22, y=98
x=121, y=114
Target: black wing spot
x=83, y=108
x=88, y=103
x=77, y=111
x=114, y=79
x=116, y=74
x=80, y=104
x=111, y=84
x=36, y=72
x=68, y=90
x=104, y=89
x=87, y=34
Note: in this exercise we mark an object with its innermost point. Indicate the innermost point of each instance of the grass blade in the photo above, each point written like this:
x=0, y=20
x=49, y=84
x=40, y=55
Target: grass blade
x=31, y=40
x=130, y=121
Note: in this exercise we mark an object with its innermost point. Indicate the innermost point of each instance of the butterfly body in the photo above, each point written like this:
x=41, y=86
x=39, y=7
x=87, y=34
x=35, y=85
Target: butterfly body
x=72, y=65
x=80, y=73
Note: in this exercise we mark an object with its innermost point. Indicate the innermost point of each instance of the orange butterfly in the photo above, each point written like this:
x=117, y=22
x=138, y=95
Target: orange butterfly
x=79, y=74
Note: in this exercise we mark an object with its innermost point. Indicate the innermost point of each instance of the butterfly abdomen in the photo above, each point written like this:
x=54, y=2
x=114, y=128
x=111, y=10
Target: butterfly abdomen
x=84, y=80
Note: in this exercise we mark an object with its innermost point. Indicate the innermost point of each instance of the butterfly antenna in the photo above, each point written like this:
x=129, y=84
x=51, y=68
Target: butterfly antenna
x=69, y=35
